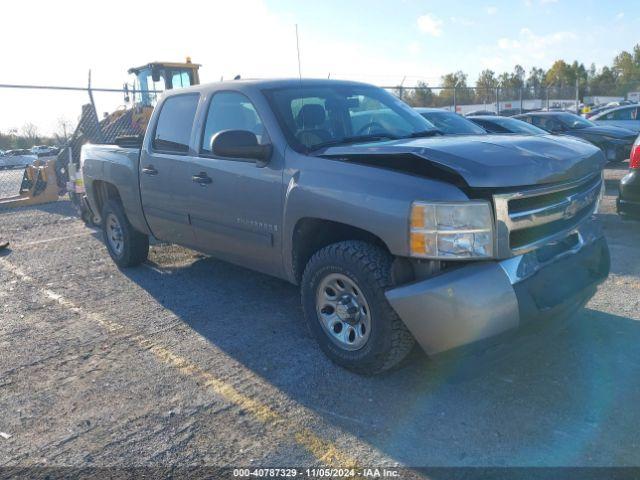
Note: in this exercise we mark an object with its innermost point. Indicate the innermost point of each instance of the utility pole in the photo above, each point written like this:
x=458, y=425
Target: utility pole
x=93, y=104
x=547, y=89
x=401, y=88
x=298, y=50
x=455, y=103
x=520, y=90
x=577, y=96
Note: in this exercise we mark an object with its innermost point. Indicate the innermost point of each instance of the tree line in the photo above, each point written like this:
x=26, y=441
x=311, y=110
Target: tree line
x=560, y=81
x=29, y=135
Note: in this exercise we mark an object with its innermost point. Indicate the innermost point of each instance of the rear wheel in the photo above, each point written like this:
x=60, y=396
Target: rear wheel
x=345, y=307
x=127, y=246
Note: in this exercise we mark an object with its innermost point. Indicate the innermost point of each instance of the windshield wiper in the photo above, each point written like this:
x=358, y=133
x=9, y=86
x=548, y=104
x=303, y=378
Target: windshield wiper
x=354, y=139
x=425, y=133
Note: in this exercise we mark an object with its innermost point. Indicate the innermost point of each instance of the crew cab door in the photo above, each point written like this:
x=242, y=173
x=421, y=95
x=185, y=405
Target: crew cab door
x=165, y=170
x=236, y=205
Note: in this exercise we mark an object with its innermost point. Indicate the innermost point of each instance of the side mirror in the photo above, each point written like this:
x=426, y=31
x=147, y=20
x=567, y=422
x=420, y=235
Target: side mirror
x=240, y=144
x=155, y=74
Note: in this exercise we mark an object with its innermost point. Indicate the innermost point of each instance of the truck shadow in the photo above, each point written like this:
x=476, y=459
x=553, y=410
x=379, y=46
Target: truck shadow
x=556, y=402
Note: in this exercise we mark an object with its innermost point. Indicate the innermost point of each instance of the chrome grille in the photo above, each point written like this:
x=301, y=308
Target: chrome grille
x=531, y=218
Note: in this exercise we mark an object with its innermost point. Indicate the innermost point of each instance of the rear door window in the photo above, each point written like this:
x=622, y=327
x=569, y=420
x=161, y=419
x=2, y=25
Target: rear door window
x=173, y=130
x=623, y=114
x=537, y=121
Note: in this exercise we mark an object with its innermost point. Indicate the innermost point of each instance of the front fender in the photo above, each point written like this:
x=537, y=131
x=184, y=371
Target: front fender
x=370, y=198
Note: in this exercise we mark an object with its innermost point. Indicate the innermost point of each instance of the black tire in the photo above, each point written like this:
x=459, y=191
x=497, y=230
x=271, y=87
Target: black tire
x=369, y=267
x=135, y=245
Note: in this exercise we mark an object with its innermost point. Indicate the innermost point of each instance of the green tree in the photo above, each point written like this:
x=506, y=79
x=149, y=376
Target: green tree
x=486, y=86
x=604, y=82
x=535, y=82
x=560, y=75
x=627, y=69
x=457, y=80
x=420, y=96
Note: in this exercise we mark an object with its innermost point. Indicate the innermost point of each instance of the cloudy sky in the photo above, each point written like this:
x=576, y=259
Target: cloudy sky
x=377, y=41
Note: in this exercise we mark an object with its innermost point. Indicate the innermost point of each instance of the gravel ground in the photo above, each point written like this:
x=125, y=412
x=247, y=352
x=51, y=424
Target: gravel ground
x=189, y=360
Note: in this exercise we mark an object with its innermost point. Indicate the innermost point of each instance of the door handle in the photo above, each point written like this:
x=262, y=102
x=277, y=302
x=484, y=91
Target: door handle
x=202, y=178
x=150, y=170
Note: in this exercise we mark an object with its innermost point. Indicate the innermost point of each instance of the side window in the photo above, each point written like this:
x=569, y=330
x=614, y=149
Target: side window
x=624, y=114
x=553, y=124
x=173, y=129
x=180, y=79
x=231, y=111
x=494, y=128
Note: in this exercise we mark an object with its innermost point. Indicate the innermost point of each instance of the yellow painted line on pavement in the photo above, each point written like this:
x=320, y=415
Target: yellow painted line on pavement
x=323, y=450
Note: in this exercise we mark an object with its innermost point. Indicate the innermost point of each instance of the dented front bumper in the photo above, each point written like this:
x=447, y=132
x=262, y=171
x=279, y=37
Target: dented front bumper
x=478, y=301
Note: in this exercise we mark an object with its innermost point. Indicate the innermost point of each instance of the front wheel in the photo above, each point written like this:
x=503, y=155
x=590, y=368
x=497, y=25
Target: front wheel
x=345, y=307
x=127, y=246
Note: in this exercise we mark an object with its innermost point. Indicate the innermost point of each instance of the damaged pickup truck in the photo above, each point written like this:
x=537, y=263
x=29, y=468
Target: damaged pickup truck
x=395, y=233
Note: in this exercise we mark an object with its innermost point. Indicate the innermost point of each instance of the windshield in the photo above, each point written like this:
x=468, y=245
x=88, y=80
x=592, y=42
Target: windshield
x=312, y=117
x=452, y=123
x=146, y=88
x=574, y=121
x=514, y=125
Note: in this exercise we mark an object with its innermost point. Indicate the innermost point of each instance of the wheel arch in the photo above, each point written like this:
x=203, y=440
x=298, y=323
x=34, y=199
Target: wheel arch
x=311, y=234
x=99, y=192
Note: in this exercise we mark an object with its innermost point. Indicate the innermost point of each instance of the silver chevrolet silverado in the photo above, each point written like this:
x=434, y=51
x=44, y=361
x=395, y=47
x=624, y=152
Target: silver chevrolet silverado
x=395, y=233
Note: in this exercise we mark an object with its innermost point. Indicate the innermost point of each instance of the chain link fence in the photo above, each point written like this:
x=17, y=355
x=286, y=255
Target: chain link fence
x=503, y=101
x=50, y=124
x=10, y=181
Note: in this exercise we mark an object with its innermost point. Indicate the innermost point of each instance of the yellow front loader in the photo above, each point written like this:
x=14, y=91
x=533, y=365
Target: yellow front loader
x=140, y=96
x=45, y=182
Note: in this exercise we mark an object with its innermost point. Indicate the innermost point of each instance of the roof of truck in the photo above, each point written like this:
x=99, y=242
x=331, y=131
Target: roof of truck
x=266, y=83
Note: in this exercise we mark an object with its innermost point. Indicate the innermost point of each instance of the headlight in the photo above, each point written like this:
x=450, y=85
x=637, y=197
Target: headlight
x=451, y=230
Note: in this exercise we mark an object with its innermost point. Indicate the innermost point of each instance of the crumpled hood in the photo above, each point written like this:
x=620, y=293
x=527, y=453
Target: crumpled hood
x=487, y=160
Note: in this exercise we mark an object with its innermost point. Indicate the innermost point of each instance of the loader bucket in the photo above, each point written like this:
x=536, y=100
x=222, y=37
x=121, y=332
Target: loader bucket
x=38, y=186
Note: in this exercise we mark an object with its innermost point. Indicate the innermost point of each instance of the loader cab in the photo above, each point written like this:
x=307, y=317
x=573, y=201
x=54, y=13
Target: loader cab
x=153, y=78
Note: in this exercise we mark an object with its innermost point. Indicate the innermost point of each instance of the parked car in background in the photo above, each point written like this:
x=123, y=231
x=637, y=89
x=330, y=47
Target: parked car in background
x=17, y=159
x=614, y=141
x=508, y=112
x=596, y=110
x=619, y=103
x=627, y=116
x=501, y=125
x=628, y=202
x=480, y=112
x=42, y=150
x=450, y=123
